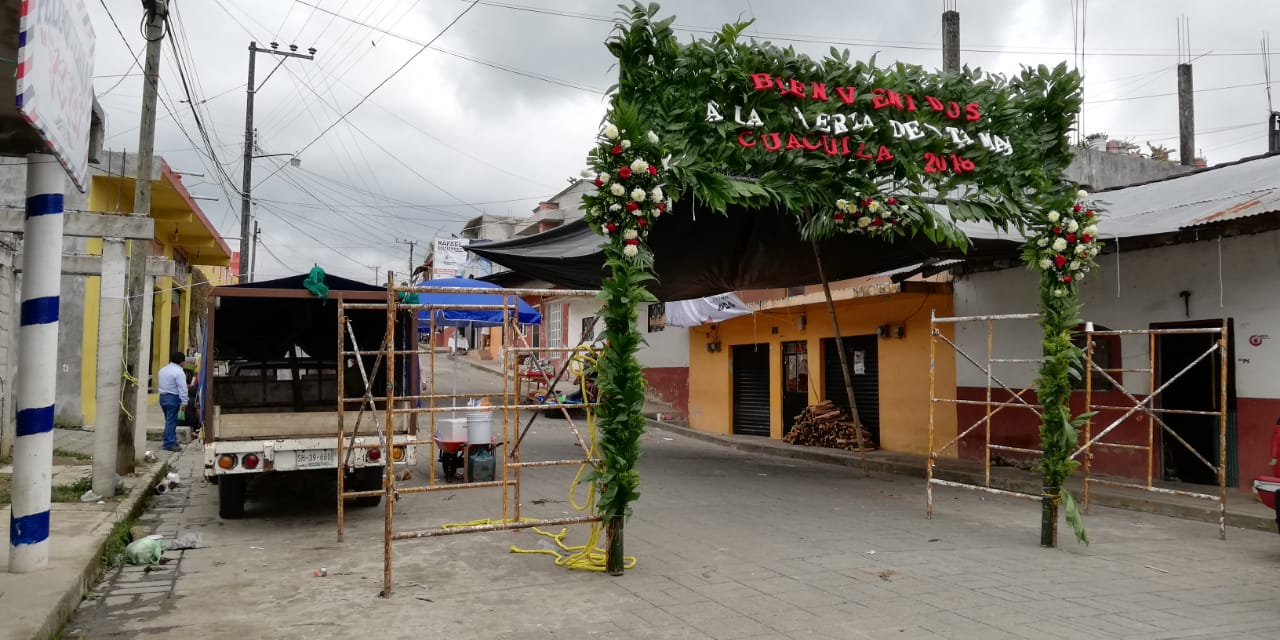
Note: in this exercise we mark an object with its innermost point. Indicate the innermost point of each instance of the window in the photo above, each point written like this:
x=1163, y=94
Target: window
x=1106, y=353
x=555, y=326
x=588, y=329
x=657, y=317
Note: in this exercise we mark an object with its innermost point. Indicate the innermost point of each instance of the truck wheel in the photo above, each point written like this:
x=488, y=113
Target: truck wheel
x=231, y=491
x=369, y=479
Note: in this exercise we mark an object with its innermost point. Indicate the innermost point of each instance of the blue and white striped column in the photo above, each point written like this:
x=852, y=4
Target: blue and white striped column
x=37, y=364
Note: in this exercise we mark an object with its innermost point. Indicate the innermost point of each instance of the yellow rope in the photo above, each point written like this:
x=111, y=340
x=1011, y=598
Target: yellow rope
x=589, y=556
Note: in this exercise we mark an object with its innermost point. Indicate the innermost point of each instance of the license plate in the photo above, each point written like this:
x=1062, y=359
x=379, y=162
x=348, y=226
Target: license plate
x=315, y=458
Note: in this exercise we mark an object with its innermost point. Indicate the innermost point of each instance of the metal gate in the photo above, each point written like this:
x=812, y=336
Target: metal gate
x=751, y=408
x=864, y=368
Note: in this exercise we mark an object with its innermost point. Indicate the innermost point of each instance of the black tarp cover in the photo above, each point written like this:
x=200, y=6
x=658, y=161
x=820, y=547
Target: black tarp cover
x=263, y=329
x=699, y=254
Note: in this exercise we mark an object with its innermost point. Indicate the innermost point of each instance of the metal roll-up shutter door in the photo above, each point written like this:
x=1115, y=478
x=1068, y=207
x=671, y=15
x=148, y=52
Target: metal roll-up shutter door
x=751, y=389
x=866, y=379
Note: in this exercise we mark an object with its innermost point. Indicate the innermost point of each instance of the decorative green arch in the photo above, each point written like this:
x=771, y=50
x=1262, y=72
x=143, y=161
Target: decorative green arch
x=849, y=147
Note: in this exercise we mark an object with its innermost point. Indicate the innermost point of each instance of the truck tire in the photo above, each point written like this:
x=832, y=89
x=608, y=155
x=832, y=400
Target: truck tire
x=231, y=490
x=369, y=479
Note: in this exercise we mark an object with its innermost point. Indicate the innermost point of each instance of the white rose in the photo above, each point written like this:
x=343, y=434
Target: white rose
x=864, y=222
x=604, y=177
x=653, y=137
x=1046, y=263
x=1091, y=230
x=626, y=144
x=1044, y=242
x=1074, y=265
x=1072, y=226
x=842, y=204
x=1060, y=244
x=1081, y=250
x=630, y=250
x=639, y=166
x=637, y=194
x=1059, y=293
x=1053, y=216
x=1093, y=251
x=630, y=234
x=611, y=132
x=669, y=202
x=873, y=207
x=615, y=207
x=587, y=173
x=657, y=194
x=617, y=189
x=1082, y=194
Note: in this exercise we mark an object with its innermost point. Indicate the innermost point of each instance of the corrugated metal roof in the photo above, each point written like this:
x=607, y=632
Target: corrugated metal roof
x=1228, y=192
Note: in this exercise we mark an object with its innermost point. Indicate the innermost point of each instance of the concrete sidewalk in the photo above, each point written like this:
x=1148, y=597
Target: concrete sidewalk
x=1243, y=509
x=36, y=605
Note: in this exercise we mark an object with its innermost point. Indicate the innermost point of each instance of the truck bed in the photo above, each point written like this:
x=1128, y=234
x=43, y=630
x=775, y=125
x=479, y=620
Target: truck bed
x=290, y=424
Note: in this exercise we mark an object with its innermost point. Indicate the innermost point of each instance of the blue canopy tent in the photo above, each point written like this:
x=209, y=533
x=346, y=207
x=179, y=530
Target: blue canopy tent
x=445, y=317
x=525, y=314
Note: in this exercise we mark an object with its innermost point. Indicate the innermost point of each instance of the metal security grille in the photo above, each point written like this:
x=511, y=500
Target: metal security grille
x=751, y=389
x=864, y=365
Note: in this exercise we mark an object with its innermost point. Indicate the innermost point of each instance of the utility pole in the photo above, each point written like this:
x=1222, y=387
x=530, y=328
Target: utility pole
x=950, y=37
x=1186, y=96
x=253, y=264
x=136, y=372
x=412, y=244
x=246, y=214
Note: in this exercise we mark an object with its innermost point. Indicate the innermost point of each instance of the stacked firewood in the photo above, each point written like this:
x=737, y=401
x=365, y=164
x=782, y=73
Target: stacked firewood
x=826, y=425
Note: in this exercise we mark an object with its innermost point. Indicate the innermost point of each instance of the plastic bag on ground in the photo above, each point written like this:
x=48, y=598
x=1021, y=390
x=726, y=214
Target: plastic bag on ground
x=145, y=551
x=187, y=540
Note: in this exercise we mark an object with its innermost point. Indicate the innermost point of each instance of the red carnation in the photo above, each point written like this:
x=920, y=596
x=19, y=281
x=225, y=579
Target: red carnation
x=624, y=173
x=1057, y=229
x=1066, y=278
x=617, y=150
x=653, y=171
x=598, y=182
x=867, y=202
x=612, y=228
x=662, y=207
x=839, y=217
x=877, y=222
x=1089, y=213
x=1077, y=208
x=641, y=222
x=1086, y=238
x=632, y=242
x=1071, y=237
x=891, y=201
x=632, y=206
x=1060, y=260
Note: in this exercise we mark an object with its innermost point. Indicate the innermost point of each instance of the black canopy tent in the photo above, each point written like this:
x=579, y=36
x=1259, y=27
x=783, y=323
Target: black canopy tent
x=707, y=253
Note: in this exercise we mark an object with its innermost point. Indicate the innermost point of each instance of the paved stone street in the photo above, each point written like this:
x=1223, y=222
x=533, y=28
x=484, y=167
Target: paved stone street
x=729, y=544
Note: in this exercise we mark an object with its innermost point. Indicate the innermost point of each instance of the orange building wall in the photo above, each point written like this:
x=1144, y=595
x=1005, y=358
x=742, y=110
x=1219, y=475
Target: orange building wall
x=903, y=364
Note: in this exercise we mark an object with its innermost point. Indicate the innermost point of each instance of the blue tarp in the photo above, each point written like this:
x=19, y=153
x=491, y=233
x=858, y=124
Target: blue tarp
x=462, y=317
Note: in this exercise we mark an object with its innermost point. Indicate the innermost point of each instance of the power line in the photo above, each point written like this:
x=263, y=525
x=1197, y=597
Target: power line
x=1174, y=93
x=389, y=77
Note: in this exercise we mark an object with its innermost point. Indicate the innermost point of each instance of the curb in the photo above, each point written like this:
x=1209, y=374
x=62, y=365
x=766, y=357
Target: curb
x=1101, y=496
x=129, y=507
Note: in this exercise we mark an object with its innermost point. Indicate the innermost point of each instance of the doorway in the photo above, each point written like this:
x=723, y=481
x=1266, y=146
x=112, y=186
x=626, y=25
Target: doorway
x=795, y=382
x=1196, y=390
x=751, y=407
x=862, y=354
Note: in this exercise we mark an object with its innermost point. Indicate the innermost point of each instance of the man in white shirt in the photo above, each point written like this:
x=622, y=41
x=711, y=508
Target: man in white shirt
x=173, y=396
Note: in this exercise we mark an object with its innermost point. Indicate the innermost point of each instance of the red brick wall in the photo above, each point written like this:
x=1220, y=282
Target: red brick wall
x=671, y=385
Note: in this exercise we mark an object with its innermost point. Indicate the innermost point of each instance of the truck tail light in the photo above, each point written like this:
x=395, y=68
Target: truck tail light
x=227, y=461
x=397, y=453
x=375, y=455
x=250, y=461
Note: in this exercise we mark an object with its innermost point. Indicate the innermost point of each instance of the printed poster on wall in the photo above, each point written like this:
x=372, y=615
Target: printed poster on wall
x=859, y=363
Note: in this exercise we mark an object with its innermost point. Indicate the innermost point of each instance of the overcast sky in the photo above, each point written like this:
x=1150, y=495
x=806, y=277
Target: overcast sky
x=503, y=107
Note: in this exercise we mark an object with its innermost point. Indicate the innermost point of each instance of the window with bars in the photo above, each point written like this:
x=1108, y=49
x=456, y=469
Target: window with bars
x=555, y=325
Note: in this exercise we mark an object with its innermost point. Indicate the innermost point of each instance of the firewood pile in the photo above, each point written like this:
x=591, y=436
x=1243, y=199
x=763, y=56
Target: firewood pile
x=826, y=425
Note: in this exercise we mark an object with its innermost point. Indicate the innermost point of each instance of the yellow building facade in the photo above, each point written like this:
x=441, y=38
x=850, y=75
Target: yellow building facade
x=795, y=333
x=182, y=234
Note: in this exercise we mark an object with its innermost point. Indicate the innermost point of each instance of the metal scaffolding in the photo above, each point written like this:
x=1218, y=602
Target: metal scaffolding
x=992, y=407
x=417, y=403
x=1148, y=407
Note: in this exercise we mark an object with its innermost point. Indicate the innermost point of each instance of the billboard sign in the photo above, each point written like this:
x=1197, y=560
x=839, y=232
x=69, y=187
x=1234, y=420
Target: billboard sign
x=55, y=79
x=449, y=258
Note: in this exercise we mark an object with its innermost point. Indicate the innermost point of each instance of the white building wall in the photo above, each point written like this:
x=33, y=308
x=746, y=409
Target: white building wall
x=1238, y=278
x=666, y=348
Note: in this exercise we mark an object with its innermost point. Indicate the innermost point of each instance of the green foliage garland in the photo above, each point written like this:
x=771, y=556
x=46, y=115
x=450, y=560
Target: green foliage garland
x=662, y=98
